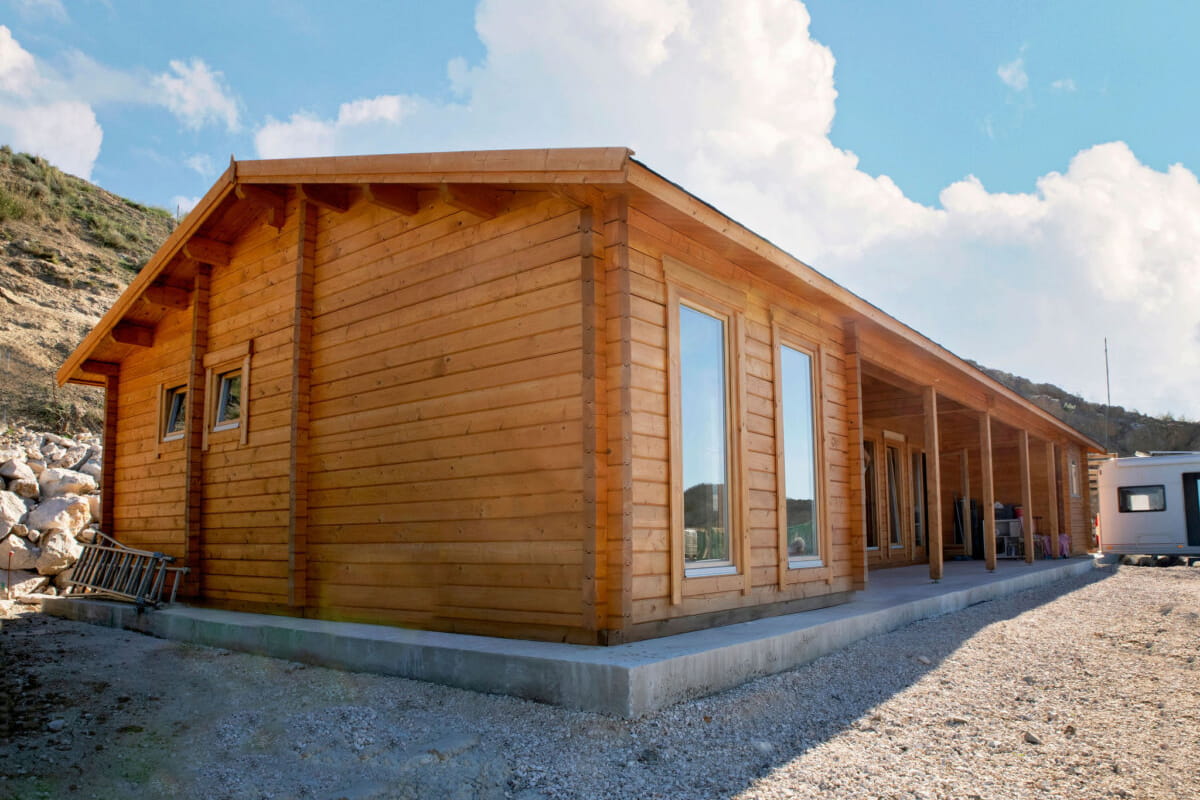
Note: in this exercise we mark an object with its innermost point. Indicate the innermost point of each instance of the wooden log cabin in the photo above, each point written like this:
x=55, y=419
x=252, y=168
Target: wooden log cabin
x=541, y=394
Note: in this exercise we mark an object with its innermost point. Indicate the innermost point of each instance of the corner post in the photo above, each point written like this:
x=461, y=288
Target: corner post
x=194, y=467
x=302, y=302
x=854, y=448
x=108, y=473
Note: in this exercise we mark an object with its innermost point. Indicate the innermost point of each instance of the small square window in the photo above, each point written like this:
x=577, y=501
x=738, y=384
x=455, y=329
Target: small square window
x=229, y=401
x=174, y=413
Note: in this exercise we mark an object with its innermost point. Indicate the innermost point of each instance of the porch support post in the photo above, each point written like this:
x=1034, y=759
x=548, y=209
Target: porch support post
x=989, y=491
x=854, y=445
x=1026, y=493
x=934, y=471
x=1052, y=498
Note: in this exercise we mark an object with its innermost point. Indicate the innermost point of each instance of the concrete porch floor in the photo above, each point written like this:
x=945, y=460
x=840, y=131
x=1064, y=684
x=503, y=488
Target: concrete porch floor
x=624, y=680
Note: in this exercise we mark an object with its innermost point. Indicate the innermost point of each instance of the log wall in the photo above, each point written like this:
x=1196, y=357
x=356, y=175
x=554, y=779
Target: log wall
x=149, y=477
x=758, y=583
x=246, y=470
x=446, y=420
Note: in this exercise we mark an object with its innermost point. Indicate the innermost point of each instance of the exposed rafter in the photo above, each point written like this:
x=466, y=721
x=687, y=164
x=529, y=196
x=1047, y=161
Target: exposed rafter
x=137, y=335
x=207, y=251
x=167, y=297
x=268, y=201
x=393, y=196
x=100, y=367
x=331, y=196
x=482, y=201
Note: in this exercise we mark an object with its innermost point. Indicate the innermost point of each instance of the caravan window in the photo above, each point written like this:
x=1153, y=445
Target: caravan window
x=1141, y=498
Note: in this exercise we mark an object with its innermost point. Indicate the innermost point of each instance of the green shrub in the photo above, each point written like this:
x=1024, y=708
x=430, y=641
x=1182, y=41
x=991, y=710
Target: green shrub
x=12, y=206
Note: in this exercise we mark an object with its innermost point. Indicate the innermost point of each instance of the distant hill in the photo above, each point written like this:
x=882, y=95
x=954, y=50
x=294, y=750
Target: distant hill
x=67, y=249
x=1126, y=432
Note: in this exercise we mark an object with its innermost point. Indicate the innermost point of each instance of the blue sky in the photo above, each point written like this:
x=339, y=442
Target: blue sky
x=1014, y=180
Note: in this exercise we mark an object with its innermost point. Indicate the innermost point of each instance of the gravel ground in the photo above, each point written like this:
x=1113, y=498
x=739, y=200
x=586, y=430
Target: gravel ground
x=1085, y=689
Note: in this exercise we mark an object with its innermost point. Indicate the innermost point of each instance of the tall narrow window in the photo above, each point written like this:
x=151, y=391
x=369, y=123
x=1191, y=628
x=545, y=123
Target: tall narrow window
x=895, y=535
x=871, y=521
x=704, y=435
x=802, y=515
x=1074, y=476
x=918, y=499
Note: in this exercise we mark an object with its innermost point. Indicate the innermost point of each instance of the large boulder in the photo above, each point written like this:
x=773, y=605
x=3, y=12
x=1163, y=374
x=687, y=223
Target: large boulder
x=36, y=464
x=69, y=514
x=24, y=555
x=12, y=508
x=62, y=581
x=59, y=551
x=24, y=582
x=56, y=481
x=94, y=468
x=53, y=454
x=74, y=457
x=16, y=468
x=29, y=489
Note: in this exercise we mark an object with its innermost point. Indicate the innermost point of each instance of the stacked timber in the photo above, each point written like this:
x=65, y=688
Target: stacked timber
x=49, y=497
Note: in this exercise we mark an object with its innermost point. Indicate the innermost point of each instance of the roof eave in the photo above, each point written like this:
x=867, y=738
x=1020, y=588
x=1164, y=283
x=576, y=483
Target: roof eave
x=644, y=178
x=71, y=371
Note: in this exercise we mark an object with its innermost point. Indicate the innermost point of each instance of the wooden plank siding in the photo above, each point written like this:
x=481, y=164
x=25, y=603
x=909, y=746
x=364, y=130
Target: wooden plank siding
x=448, y=482
x=252, y=304
x=149, y=477
x=650, y=242
x=459, y=392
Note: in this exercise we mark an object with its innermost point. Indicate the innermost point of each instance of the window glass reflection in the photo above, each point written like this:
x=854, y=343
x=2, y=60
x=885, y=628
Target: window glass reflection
x=704, y=406
x=799, y=454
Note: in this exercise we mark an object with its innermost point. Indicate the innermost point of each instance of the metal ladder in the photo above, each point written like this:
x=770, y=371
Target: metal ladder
x=108, y=567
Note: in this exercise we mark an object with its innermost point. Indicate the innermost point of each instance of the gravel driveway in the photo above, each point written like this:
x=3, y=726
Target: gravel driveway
x=1088, y=688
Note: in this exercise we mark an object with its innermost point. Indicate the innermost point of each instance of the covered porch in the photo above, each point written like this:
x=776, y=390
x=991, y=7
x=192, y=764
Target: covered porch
x=954, y=467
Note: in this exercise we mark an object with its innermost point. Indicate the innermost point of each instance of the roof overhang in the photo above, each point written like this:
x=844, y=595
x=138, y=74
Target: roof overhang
x=249, y=191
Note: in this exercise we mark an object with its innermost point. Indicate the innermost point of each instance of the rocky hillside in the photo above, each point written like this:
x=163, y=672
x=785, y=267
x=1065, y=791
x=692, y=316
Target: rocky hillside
x=67, y=249
x=1125, y=431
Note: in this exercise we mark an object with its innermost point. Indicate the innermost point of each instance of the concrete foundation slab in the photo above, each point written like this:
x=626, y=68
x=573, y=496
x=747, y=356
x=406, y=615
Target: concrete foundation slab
x=624, y=680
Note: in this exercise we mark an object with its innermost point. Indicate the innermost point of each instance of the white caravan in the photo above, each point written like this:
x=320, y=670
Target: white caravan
x=1150, y=505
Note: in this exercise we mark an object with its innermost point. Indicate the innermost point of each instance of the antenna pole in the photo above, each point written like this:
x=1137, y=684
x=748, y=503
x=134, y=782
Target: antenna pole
x=1108, y=400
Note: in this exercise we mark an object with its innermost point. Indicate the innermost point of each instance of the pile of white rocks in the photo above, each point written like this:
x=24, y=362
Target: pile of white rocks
x=49, y=504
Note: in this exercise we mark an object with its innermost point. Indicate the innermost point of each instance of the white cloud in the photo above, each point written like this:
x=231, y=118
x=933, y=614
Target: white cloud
x=1013, y=74
x=197, y=95
x=43, y=8
x=201, y=164
x=367, y=125
x=36, y=119
x=1064, y=85
x=18, y=72
x=736, y=101
x=66, y=133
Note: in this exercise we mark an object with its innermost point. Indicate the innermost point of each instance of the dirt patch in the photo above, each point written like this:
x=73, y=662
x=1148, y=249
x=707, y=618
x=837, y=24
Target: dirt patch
x=1085, y=689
